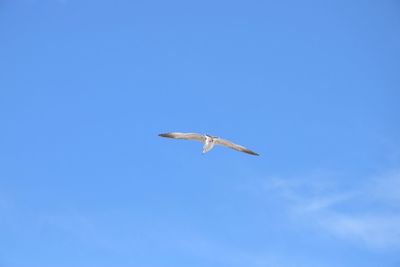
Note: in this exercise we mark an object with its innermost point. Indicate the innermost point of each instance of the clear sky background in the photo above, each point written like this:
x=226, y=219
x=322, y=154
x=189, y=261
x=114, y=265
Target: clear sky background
x=86, y=87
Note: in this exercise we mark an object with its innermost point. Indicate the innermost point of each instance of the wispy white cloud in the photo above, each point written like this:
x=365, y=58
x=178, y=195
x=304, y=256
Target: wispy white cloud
x=368, y=214
x=376, y=230
x=387, y=187
x=225, y=254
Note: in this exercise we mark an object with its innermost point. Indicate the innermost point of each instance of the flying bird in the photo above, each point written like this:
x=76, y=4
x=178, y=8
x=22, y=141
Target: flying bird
x=209, y=141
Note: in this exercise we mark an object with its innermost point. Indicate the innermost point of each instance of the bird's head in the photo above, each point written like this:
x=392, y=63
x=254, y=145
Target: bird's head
x=211, y=136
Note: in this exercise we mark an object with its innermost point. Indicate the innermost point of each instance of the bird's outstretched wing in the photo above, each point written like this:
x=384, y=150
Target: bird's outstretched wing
x=187, y=136
x=229, y=144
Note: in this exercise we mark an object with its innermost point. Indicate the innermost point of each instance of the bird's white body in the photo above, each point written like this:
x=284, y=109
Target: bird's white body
x=209, y=143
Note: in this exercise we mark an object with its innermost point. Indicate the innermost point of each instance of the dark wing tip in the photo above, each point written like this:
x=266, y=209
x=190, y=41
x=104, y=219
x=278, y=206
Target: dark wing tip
x=165, y=135
x=251, y=152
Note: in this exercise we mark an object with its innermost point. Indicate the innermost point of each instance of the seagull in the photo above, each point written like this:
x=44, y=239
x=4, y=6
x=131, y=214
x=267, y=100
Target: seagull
x=209, y=141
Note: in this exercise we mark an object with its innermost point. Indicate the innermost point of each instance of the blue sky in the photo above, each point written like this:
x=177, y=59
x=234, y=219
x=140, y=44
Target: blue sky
x=86, y=87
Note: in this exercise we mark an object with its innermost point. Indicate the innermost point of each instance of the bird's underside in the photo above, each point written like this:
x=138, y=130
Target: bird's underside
x=209, y=141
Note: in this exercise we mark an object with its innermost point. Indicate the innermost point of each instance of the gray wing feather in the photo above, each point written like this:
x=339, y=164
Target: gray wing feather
x=186, y=136
x=240, y=148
